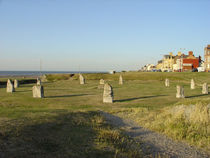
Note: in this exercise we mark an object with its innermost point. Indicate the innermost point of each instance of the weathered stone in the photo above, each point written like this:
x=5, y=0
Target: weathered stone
x=192, y=85
x=44, y=78
x=205, y=89
x=120, y=80
x=16, y=83
x=167, y=82
x=81, y=79
x=38, y=91
x=100, y=86
x=108, y=94
x=101, y=81
x=180, y=92
x=39, y=82
x=10, y=86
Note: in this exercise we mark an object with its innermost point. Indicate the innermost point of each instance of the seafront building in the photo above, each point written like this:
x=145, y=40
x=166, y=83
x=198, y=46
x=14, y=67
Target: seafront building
x=167, y=62
x=207, y=58
x=179, y=62
x=148, y=67
x=159, y=65
x=190, y=62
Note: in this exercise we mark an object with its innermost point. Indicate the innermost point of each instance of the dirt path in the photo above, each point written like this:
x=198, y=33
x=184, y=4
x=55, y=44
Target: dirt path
x=154, y=143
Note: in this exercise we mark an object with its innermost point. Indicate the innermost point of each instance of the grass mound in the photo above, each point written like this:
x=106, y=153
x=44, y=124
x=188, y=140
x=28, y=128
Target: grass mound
x=190, y=123
x=57, y=77
x=142, y=76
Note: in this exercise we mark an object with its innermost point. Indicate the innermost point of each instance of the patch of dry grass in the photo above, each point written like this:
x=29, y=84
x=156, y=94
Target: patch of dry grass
x=190, y=123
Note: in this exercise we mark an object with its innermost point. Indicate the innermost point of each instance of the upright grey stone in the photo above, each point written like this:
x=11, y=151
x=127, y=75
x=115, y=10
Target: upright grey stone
x=101, y=84
x=39, y=82
x=81, y=79
x=16, y=83
x=108, y=94
x=120, y=80
x=205, y=89
x=180, y=92
x=101, y=81
x=10, y=86
x=192, y=85
x=38, y=91
x=167, y=82
x=44, y=78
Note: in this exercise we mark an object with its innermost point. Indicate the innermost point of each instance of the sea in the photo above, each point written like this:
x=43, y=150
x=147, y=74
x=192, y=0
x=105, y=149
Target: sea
x=38, y=73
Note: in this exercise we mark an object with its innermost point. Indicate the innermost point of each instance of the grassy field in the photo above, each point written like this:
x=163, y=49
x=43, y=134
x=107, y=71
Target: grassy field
x=67, y=121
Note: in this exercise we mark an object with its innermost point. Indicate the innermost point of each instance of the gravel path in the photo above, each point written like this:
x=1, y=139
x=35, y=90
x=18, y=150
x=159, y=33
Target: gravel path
x=153, y=143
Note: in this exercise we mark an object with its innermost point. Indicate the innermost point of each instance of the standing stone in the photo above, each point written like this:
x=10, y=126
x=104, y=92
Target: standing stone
x=108, y=94
x=101, y=81
x=180, y=92
x=44, y=78
x=81, y=79
x=101, y=84
x=205, y=89
x=38, y=91
x=10, y=86
x=120, y=80
x=167, y=82
x=192, y=86
x=16, y=83
x=39, y=82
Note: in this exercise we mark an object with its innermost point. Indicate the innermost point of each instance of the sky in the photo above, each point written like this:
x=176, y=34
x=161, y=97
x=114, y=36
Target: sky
x=99, y=35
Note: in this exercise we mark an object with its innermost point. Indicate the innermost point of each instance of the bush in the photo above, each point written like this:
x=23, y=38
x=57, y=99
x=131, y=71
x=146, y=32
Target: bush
x=57, y=77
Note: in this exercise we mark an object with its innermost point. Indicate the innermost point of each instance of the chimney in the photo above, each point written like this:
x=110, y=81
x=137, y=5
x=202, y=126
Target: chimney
x=179, y=54
x=190, y=53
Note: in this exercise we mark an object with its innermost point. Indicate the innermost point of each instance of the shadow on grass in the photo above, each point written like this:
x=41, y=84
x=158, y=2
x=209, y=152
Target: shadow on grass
x=17, y=91
x=27, y=85
x=194, y=96
x=64, y=89
x=136, y=98
x=66, y=96
x=68, y=134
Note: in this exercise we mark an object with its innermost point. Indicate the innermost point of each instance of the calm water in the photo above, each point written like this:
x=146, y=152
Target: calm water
x=37, y=73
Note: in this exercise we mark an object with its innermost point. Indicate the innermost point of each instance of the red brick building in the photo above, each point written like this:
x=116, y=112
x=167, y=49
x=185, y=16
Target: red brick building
x=191, y=62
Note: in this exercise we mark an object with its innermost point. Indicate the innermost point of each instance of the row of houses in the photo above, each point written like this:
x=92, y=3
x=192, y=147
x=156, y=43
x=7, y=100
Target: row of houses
x=181, y=62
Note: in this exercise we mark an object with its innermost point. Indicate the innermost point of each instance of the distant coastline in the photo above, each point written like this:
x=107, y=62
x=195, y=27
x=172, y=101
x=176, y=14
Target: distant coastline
x=38, y=73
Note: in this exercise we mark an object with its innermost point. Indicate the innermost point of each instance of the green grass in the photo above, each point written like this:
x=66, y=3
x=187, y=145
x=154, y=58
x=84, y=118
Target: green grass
x=143, y=76
x=67, y=122
x=63, y=134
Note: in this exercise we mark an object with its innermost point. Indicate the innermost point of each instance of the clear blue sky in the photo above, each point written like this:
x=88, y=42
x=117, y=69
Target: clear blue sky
x=99, y=34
